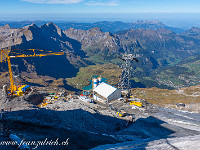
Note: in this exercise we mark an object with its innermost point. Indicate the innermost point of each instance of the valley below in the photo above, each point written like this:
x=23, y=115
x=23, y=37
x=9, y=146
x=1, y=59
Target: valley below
x=166, y=79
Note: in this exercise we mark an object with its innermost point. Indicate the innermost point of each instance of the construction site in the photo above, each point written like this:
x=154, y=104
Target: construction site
x=103, y=117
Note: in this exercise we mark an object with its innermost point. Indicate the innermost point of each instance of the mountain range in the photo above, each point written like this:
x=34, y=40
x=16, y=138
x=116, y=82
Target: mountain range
x=157, y=48
x=106, y=26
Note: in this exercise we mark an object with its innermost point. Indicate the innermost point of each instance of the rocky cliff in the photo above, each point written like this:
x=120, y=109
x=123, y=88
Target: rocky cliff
x=48, y=37
x=95, y=40
x=154, y=48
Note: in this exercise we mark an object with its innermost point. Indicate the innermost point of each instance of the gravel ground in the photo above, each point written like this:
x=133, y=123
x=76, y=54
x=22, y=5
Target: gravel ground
x=88, y=125
x=74, y=115
x=167, y=129
x=181, y=143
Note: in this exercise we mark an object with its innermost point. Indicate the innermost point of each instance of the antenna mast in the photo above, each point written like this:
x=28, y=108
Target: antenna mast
x=127, y=69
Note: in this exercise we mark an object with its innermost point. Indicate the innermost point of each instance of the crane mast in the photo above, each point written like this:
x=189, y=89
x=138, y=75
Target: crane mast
x=12, y=85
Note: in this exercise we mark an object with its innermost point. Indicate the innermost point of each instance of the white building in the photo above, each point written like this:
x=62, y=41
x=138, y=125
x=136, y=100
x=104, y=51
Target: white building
x=106, y=93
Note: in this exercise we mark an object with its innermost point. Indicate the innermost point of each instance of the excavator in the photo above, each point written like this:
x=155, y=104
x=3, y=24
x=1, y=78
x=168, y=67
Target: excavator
x=10, y=54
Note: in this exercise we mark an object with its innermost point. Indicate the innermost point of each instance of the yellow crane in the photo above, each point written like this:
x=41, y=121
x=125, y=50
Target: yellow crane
x=13, y=87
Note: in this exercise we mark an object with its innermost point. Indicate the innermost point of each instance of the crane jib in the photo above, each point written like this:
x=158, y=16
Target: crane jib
x=13, y=87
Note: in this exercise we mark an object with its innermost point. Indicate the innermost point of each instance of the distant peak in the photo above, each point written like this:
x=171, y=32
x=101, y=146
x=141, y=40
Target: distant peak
x=71, y=28
x=192, y=30
x=50, y=23
x=5, y=27
x=31, y=26
x=53, y=27
x=149, y=22
x=195, y=29
x=96, y=29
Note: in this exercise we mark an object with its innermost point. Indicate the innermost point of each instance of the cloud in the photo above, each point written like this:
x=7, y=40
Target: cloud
x=111, y=3
x=54, y=1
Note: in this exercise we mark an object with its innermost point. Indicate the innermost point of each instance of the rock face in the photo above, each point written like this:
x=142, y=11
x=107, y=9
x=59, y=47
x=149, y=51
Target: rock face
x=9, y=37
x=95, y=40
x=155, y=48
x=160, y=47
x=193, y=32
x=162, y=44
x=48, y=37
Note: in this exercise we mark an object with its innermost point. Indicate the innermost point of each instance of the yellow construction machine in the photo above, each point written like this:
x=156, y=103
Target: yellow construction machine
x=140, y=103
x=136, y=103
x=121, y=112
x=14, y=90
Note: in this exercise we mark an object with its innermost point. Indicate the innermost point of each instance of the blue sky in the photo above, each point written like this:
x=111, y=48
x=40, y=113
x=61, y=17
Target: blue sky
x=98, y=6
x=59, y=9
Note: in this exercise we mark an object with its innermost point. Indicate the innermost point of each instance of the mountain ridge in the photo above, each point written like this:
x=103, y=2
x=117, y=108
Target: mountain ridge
x=154, y=48
x=106, y=26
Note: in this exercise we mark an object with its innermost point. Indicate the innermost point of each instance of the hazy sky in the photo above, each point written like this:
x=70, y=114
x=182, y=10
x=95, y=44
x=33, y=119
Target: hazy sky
x=169, y=11
x=98, y=6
